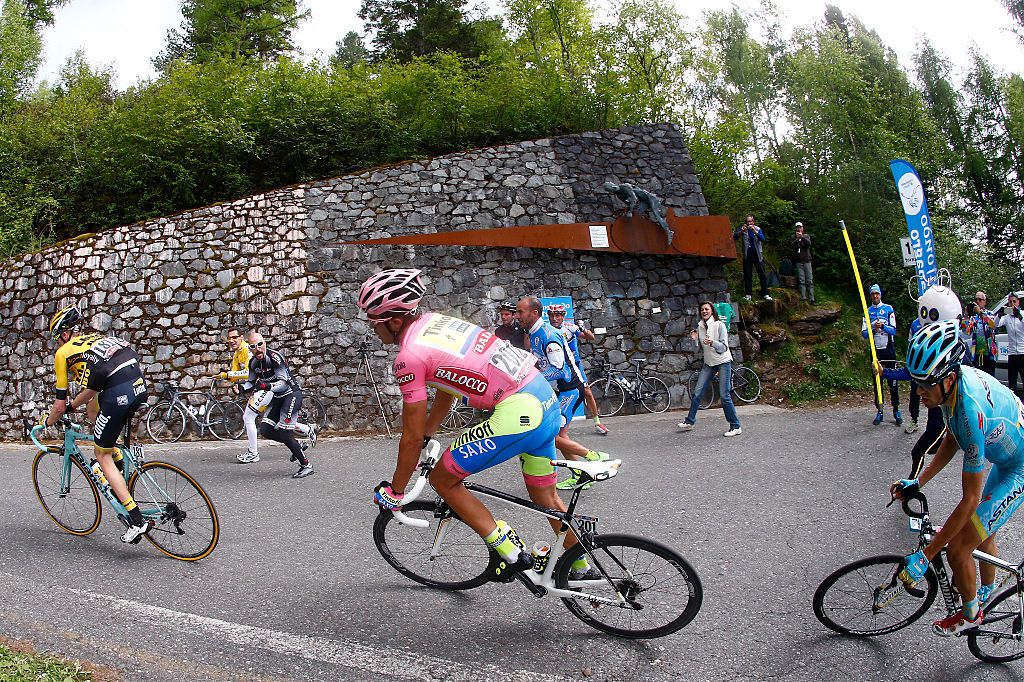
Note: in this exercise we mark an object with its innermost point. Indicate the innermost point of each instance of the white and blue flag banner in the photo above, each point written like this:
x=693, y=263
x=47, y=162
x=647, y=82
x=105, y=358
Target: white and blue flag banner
x=919, y=223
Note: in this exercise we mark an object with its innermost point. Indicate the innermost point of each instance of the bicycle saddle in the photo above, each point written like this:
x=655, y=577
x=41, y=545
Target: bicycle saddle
x=599, y=471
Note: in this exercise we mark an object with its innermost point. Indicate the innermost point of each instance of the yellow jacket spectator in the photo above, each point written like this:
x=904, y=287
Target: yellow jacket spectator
x=240, y=360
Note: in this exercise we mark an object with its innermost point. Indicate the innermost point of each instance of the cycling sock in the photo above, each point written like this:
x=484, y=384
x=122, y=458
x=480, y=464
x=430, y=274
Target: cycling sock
x=133, y=511
x=597, y=420
x=971, y=609
x=499, y=541
x=580, y=564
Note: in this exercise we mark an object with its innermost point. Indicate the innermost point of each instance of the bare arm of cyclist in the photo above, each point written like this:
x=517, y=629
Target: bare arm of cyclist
x=414, y=422
x=438, y=411
x=972, y=482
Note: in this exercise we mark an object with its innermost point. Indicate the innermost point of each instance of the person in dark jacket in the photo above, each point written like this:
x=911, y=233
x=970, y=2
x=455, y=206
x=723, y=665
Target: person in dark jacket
x=801, y=248
x=751, y=237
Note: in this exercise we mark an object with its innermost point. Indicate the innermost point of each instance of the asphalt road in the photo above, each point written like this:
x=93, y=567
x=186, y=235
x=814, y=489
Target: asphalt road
x=296, y=590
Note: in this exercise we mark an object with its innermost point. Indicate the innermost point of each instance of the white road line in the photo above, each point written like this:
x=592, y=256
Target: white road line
x=386, y=663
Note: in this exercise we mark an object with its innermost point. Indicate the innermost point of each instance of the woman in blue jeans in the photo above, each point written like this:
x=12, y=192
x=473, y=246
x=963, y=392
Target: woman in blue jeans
x=713, y=336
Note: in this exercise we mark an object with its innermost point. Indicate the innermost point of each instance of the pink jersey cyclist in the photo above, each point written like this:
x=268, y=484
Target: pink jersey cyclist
x=459, y=357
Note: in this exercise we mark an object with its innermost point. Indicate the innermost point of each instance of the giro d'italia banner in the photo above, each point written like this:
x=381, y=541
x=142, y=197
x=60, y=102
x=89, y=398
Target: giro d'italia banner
x=919, y=224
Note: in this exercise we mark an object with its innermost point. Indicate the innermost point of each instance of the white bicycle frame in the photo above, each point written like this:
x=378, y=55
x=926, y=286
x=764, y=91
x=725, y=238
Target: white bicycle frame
x=543, y=583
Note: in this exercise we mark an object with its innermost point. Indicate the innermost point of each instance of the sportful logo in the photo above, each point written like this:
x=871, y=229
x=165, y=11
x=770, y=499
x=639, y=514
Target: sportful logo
x=472, y=382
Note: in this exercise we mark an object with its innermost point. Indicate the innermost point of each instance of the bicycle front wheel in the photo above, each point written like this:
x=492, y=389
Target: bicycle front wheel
x=226, y=420
x=165, y=422
x=845, y=601
x=459, y=417
x=186, y=521
x=709, y=397
x=999, y=639
x=654, y=395
x=449, y=554
x=746, y=385
x=609, y=396
x=661, y=590
x=75, y=508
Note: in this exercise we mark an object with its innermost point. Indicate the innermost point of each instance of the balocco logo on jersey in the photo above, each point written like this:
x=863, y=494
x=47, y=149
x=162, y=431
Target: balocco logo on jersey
x=473, y=382
x=405, y=378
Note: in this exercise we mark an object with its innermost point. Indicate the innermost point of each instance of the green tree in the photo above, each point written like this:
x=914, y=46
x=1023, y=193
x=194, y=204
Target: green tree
x=405, y=29
x=257, y=29
x=20, y=52
x=350, y=51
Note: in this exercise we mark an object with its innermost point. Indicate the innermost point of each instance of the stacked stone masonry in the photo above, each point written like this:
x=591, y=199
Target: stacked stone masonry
x=272, y=262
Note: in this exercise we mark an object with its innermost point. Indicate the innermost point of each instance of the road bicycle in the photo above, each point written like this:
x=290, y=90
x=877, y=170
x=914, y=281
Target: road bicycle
x=610, y=389
x=69, y=487
x=166, y=420
x=644, y=588
x=746, y=387
x=866, y=598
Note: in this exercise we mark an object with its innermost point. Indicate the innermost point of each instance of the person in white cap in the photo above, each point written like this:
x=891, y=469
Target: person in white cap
x=802, y=262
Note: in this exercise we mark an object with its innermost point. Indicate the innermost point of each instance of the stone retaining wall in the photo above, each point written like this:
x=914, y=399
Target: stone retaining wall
x=271, y=261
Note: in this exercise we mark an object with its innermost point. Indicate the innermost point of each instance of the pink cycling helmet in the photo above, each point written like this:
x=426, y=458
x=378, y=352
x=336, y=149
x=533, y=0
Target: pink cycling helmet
x=390, y=293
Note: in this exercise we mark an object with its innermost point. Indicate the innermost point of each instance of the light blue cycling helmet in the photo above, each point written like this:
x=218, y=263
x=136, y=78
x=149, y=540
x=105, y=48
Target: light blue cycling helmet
x=935, y=351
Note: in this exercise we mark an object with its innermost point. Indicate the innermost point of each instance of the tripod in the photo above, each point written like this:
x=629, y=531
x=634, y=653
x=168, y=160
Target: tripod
x=364, y=356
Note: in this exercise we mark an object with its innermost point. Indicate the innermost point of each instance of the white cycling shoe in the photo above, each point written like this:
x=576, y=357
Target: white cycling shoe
x=132, y=534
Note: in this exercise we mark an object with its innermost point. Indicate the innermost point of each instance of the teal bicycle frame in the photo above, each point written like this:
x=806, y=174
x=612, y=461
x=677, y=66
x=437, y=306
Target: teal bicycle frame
x=132, y=456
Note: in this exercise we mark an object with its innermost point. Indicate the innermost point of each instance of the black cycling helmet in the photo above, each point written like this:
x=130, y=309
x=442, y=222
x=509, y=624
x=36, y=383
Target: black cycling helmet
x=508, y=304
x=65, y=319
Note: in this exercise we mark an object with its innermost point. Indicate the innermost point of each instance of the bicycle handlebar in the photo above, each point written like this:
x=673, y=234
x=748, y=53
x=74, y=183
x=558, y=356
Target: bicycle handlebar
x=65, y=423
x=905, y=503
x=432, y=452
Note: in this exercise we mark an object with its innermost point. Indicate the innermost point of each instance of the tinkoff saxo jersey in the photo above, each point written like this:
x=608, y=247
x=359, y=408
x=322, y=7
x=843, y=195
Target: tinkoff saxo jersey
x=94, y=361
x=459, y=357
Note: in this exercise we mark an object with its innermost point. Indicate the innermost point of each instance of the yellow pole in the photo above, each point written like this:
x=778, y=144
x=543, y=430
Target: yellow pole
x=867, y=319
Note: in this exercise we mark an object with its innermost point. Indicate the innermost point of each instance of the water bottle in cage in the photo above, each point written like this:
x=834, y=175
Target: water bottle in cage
x=540, y=552
x=97, y=471
x=202, y=409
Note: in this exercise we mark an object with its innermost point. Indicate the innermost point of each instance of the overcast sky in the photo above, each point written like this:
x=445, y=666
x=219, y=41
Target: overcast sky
x=126, y=34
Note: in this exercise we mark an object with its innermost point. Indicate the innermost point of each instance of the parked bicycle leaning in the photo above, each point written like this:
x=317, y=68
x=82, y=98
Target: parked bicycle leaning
x=713, y=337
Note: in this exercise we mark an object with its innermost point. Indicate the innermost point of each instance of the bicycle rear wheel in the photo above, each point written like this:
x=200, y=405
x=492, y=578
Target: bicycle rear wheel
x=710, y=392
x=654, y=395
x=313, y=412
x=186, y=521
x=449, y=554
x=226, y=420
x=662, y=591
x=845, y=600
x=76, y=508
x=165, y=422
x=609, y=396
x=999, y=639
x=746, y=385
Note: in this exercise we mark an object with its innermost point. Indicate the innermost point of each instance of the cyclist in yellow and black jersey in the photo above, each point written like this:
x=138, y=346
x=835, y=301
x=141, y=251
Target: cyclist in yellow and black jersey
x=239, y=361
x=108, y=370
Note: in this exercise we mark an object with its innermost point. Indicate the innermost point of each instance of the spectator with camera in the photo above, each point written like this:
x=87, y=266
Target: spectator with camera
x=979, y=326
x=801, y=249
x=1012, y=319
x=751, y=238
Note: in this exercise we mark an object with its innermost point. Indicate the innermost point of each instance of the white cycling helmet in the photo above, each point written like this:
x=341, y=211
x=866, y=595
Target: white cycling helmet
x=390, y=293
x=938, y=303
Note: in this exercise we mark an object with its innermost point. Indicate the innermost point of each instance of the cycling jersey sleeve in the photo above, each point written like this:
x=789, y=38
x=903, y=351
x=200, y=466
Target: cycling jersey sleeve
x=411, y=376
x=969, y=430
x=60, y=370
x=282, y=377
